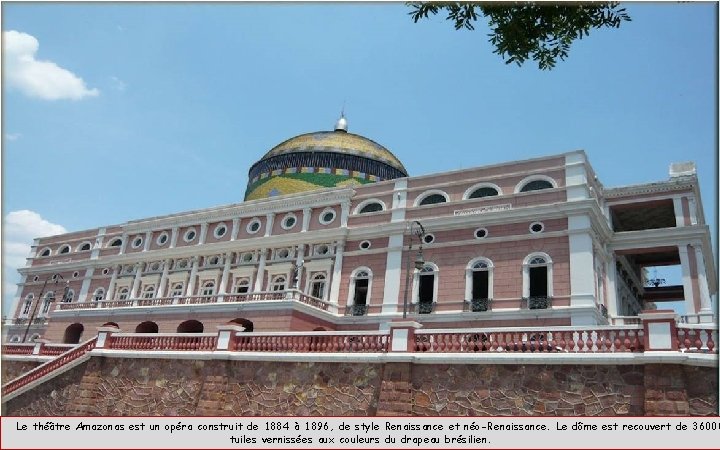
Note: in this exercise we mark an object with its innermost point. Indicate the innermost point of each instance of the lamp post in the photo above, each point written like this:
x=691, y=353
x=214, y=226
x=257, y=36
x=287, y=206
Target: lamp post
x=415, y=228
x=42, y=291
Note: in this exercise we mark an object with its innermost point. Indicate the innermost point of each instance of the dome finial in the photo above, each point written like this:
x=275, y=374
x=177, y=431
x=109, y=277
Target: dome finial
x=341, y=124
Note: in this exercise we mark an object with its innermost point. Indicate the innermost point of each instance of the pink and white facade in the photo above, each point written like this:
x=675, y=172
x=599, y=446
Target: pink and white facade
x=539, y=242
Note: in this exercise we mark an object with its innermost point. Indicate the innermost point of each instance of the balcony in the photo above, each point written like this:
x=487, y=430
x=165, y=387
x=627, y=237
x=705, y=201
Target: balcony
x=477, y=305
x=356, y=310
x=537, y=302
x=291, y=295
x=424, y=307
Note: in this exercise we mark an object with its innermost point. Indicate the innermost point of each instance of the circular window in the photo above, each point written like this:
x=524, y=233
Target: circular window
x=254, y=226
x=220, y=231
x=54, y=277
x=289, y=221
x=322, y=249
x=162, y=239
x=327, y=216
x=105, y=271
x=137, y=242
x=481, y=233
x=190, y=235
x=364, y=245
x=429, y=239
x=36, y=278
x=76, y=274
x=537, y=227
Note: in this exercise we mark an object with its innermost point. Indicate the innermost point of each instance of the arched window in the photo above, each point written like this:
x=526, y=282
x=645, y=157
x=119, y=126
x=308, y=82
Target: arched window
x=99, y=294
x=69, y=297
x=537, y=280
x=370, y=206
x=177, y=290
x=123, y=293
x=190, y=326
x=15, y=339
x=147, y=327
x=242, y=285
x=479, y=284
x=85, y=246
x=45, y=252
x=117, y=242
x=535, y=183
x=431, y=198
x=64, y=249
x=278, y=283
x=482, y=190
x=425, y=288
x=34, y=337
x=359, y=294
x=317, y=285
x=148, y=292
x=28, y=304
x=49, y=298
x=208, y=288
x=246, y=324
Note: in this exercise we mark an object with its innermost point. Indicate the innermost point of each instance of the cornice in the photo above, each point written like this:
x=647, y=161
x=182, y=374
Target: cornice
x=681, y=184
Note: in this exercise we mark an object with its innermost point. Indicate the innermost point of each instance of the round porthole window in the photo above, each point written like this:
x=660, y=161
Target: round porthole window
x=364, y=245
x=137, y=242
x=327, y=216
x=429, y=239
x=105, y=271
x=190, y=235
x=289, y=221
x=36, y=278
x=162, y=239
x=254, y=226
x=76, y=274
x=537, y=227
x=481, y=233
x=220, y=231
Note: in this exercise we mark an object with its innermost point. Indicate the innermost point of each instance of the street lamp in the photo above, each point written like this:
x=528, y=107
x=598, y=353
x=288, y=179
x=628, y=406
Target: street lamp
x=415, y=228
x=42, y=291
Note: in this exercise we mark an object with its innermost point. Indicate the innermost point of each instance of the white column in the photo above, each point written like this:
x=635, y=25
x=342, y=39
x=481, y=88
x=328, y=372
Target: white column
x=95, y=253
x=224, y=278
x=235, y=229
x=190, y=291
x=525, y=281
x=399, y=200
x=269, y=223
x=136, y=281
x=687, y=279
x=307, y=214
x=163, y=278
x=124, y=243
x=582, y=283
x=87, y=279
x=611, y=275
x=337, y=271
x=260, y=271
x=173, y=237
x=203, y=233
x=702, y=280
x=148, y=239
x=393, y=267
x=692, y=207
x=299, y=259
x=575, y=177
x=344, y=213
x=110, y=294
x=679, y=216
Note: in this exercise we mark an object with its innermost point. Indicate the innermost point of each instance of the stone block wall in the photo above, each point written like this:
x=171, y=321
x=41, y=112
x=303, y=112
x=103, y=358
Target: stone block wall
x=154, y=387
x=13, y=369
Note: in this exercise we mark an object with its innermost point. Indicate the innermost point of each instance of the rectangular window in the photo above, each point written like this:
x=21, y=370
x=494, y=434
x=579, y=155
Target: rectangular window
x=480, y=284
x=538, y=282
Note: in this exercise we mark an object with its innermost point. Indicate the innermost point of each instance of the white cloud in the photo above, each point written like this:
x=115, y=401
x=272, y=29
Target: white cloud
x=19, y=230
x=41, y=79
x=13, y=136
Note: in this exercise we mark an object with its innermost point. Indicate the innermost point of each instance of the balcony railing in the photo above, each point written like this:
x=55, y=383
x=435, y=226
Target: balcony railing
x=291, y=294
x=356, y=310
x=571, y=340
x=477, y=305
x=424, y=307
x=541, y=302
x=154, y=341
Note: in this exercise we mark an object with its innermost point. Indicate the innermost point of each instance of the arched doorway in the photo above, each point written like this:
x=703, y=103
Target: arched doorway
x=73, y=333
x=243, y=323
x=147, y=327
x=190, y=326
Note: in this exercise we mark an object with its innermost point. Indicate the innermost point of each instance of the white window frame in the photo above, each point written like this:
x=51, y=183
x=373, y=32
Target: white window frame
x=160, y=236
x=237, y=282
x=98, y=295
x=478, y=230
x=364, y=203
x=174, y=293
x=416, y=282
x=216, y=233
x=123, y=293
x=47, y=250
x=248, y=227
x=149, y=289
x=69, y=297
x=470, y=269
x=137, y=241
x=314, y=279
x=322, y=215
x=47, y=301
x=28, y=304
x=526, y=272
x=531, y=178
x=475, y=187
x=427, y=194
x=353, y=277
x=63, y=246
x=79, y=247
x=110, y=242
x=542, y=227
x=274, y=282
x=187, y=232
x=287, y=216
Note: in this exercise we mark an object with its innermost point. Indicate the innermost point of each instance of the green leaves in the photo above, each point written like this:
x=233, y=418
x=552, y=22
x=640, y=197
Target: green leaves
x=521, y=31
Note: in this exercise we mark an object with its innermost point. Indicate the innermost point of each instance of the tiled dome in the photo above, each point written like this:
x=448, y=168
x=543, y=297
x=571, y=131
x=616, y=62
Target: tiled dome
x=320, y=160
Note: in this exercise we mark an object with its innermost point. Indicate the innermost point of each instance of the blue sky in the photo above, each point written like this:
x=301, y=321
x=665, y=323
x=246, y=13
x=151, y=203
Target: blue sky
x=139, y=110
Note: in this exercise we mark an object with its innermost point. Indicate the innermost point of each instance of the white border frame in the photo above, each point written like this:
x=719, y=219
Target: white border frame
x=185, y=235
x=325, y=211
x=469, y=276
x=217, y=227
x=475, y=187
x=428, y=193
x=369, y=201
x=250, y=224
x=531, y=178
x=287, y=216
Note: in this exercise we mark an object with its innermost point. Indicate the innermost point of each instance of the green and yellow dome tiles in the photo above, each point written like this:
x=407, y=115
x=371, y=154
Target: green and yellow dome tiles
x=320, y=160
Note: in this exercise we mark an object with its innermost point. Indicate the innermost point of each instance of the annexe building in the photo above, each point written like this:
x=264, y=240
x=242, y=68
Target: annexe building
x=334, y=235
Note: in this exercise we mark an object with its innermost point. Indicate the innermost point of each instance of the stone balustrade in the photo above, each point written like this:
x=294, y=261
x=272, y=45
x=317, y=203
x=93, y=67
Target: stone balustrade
x=164, y=341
